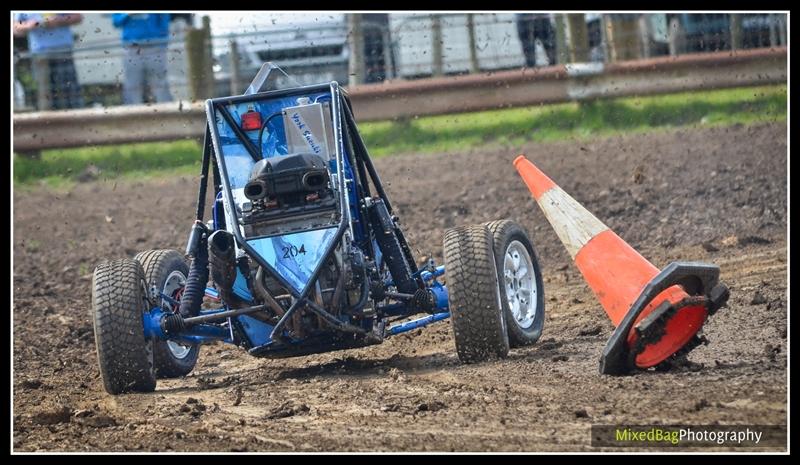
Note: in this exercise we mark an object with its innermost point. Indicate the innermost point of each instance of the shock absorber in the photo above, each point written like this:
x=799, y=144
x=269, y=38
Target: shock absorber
x=385, y=234
x=195, y=288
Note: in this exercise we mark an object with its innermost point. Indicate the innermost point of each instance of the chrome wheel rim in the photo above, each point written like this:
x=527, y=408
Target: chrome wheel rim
x=175, y=281
x=520, y=284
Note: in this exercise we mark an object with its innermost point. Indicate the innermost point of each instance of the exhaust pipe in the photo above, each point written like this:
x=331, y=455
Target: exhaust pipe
x=315, y=180
x=255, y=190
x=222, y=263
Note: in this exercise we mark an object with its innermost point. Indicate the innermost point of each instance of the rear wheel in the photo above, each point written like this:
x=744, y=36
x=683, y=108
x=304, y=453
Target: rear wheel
x=479, y=323
x=166, y=271
x=119, y=299
x=521, y=282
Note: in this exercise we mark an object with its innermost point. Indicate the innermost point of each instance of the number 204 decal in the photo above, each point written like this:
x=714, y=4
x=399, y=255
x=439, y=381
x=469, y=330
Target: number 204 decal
x=293, y=251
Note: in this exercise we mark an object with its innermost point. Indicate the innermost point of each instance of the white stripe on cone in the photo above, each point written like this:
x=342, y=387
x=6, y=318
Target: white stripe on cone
x=573, y=224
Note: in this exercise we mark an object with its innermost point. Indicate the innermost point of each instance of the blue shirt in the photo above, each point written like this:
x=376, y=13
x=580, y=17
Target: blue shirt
x=142, y=27
x=41, y=40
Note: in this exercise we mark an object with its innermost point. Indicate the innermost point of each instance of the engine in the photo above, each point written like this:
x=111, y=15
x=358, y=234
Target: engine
x=288, y=193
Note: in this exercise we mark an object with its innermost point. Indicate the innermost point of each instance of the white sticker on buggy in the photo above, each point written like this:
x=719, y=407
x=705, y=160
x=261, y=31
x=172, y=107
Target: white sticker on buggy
x=305, y=132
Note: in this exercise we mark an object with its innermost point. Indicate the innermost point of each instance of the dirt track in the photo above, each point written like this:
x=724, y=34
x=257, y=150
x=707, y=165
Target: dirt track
x=715, y=195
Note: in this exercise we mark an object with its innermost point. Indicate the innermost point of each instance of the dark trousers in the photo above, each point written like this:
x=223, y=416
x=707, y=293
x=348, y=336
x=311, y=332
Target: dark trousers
x=531, y=29
x=57, y=82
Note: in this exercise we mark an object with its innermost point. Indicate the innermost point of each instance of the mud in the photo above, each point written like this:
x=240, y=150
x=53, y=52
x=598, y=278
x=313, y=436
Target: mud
x=717, y=195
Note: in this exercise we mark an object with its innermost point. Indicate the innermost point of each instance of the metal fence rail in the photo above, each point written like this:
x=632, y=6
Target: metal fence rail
x=573, y=82
x=404, y=99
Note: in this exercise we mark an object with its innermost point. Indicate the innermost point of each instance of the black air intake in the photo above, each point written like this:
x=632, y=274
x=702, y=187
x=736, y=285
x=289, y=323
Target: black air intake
x=287, y=174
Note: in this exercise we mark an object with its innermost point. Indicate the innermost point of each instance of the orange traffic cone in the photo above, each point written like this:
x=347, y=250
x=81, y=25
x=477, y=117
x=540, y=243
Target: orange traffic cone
x=657, y=314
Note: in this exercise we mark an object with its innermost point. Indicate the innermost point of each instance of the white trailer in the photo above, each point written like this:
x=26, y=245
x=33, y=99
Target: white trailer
x=496, y=41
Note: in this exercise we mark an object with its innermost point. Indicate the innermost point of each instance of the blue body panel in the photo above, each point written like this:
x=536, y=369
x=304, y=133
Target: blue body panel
x=257, y=331
x=216, y=212
x=240, y=287
x=295, y=256
x=237, y=160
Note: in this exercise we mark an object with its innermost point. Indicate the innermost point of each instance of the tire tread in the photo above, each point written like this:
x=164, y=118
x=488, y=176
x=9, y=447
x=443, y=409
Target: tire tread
x=117, y=305
x=478, y=322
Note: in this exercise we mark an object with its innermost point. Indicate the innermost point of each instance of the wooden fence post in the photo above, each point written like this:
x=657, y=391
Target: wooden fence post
x=236, y=87
x=578, y=38
x=356, y=65
x=199, y=55
x=41, y=73
x=624, y=37
x=562, y=51
x=736, y=32
x=473, y=52
x=436, y=45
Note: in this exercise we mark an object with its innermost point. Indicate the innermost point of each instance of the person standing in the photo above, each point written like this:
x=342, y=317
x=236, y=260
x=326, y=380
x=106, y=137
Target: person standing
x=144, y=38
x=532, y=27
x=50, y=43
x=376, y=31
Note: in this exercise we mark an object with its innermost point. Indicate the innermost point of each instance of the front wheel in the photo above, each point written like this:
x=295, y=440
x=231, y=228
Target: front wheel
x=521, y=282
x=166, y=270
x=119, y=299
x=476, y=309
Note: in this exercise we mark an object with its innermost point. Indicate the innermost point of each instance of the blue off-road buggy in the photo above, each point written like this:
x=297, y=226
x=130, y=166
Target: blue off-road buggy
x=303, y=254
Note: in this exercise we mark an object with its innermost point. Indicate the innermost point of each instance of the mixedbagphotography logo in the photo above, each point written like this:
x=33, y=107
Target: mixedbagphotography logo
x=670, y=436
